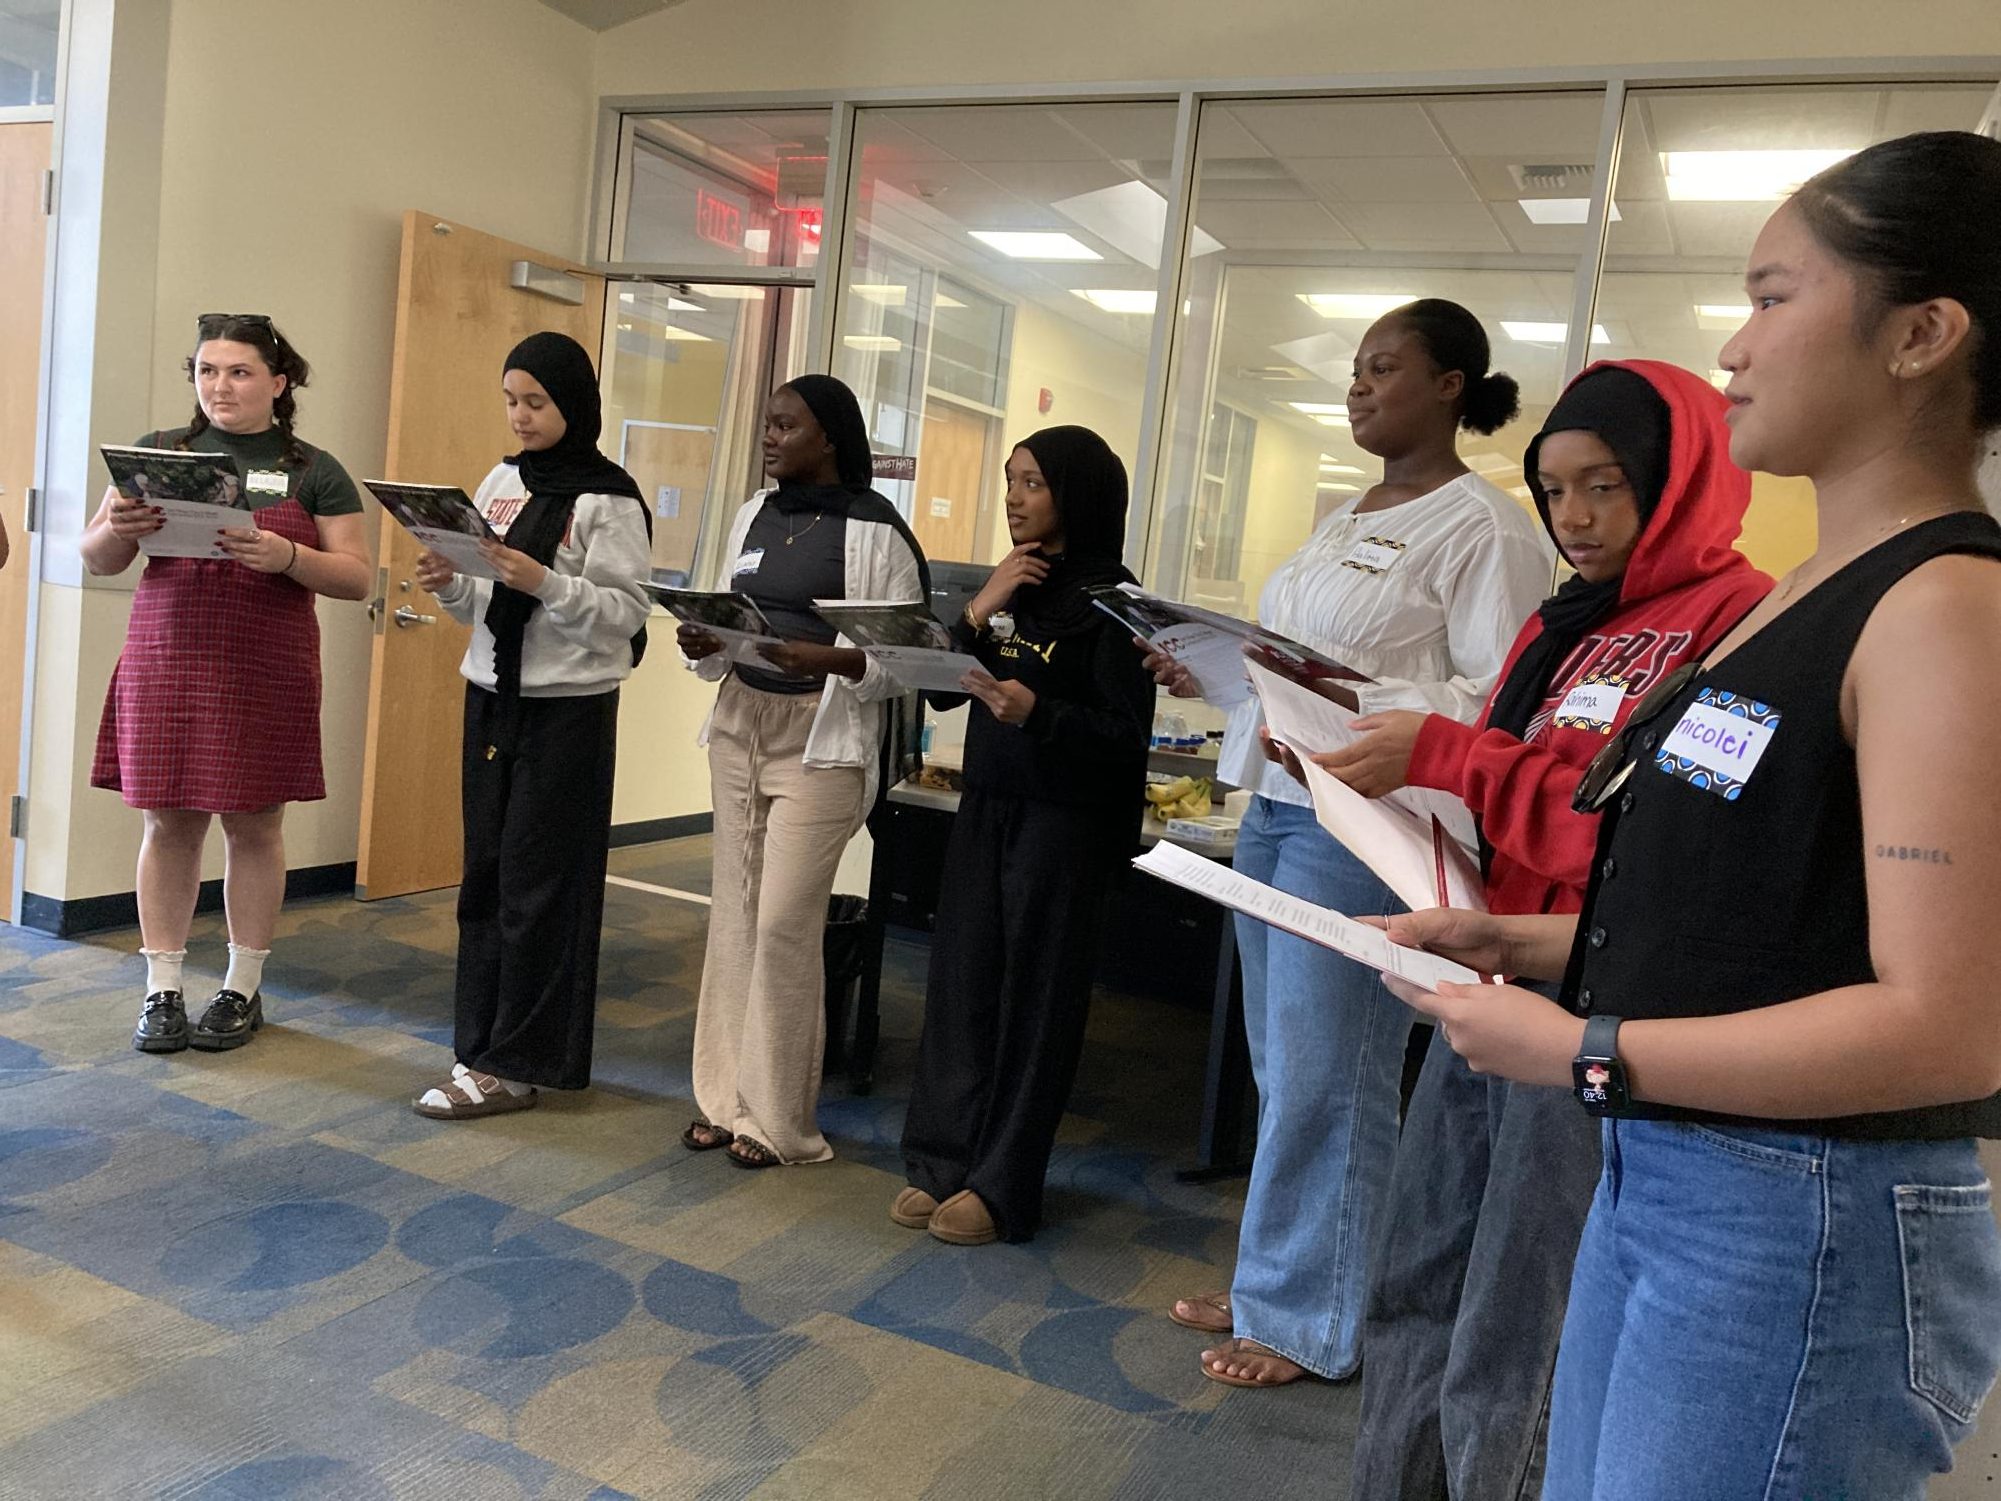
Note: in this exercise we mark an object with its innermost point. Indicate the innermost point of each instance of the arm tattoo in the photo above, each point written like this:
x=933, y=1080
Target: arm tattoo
x=1911, y=852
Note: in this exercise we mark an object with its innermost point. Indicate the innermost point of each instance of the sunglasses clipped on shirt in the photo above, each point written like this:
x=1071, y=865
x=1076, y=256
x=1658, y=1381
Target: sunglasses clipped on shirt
x=1614, y=763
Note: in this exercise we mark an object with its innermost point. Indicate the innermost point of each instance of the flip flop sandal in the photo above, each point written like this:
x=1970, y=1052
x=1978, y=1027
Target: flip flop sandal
x=467, y=1095
x=1252, y=1347
x=705, y=1136
x=1221, y=1322
x=749, y=1152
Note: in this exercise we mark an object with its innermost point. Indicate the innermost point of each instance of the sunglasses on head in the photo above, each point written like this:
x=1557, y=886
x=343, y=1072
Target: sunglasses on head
x=208, y=325
x=1609, y=769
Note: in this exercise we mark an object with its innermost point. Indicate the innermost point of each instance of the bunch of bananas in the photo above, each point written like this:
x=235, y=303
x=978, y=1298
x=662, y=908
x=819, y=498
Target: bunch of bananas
x=1184, y=797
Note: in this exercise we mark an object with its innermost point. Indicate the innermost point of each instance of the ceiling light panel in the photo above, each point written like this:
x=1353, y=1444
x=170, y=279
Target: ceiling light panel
x=1035, y=245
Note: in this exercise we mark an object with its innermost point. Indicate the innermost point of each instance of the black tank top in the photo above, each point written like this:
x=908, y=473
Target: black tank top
x=1730, y=868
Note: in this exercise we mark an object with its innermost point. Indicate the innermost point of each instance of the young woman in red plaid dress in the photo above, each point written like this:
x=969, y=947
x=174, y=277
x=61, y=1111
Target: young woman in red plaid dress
x=214, y=708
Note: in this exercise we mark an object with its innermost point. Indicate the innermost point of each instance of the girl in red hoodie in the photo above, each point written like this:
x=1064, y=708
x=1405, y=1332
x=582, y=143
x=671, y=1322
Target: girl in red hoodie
x=1633, y=479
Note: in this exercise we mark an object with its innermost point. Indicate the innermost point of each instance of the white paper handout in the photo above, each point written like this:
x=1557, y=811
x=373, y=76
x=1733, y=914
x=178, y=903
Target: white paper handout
x=1211, y=645
x=443, y=518
x=1316, y=924
x=196, y=495
x=733, y=619
x=1421, y=842
x=904, y=639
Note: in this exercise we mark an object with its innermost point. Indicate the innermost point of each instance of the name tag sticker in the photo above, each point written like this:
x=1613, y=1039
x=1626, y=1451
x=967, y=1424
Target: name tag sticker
x=1718, y=742
x=267, y=482
x=749, y=562
x=1373, y=555
x=1591, y=706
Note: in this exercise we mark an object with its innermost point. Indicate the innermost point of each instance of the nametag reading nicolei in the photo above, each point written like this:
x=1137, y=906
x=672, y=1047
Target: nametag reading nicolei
x=1718, y=742
x=1373, y=555
x=749, y=562
x=1591, y=706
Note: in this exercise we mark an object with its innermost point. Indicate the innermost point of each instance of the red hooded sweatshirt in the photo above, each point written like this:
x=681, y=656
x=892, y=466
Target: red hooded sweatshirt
x=1684, y=587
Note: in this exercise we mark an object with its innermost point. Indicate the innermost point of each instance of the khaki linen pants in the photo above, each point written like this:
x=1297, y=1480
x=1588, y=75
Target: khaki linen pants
x=780, y=828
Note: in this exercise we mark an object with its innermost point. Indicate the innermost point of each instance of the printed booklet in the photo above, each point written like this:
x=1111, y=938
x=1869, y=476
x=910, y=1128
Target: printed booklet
x=189, y=489
x=443, y=518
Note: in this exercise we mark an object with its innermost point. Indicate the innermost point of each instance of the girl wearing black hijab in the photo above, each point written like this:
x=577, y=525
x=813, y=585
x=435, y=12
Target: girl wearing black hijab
x=794, y=750
x=1055, y=763
x=552, y=640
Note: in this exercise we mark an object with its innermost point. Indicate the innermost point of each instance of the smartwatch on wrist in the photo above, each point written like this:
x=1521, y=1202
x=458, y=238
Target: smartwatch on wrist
x=1597, y=1072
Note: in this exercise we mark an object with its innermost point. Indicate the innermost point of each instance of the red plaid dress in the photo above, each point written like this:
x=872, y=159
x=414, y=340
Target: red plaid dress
x=215, y=702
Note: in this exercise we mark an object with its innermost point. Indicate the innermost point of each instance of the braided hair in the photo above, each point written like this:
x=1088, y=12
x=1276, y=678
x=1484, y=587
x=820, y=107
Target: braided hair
x=279, y=357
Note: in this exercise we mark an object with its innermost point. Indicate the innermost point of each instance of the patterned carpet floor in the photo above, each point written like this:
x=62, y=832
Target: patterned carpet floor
x=258, y=1275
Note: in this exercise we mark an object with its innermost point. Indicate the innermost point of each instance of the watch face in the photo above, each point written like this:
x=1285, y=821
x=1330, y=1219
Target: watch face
x=1601, y=1085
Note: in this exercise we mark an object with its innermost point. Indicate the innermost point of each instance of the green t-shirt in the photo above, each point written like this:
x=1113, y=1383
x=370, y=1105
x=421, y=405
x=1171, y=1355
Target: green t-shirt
x=321, y=486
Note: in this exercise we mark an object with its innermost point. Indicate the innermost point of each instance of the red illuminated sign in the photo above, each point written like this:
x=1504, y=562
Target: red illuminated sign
x=717, y=220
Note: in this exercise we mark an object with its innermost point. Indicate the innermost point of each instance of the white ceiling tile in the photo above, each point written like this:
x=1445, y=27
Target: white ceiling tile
x=1774, y=119
x=1385, y=179
x=1525, y=127
x=1275, y=226
x=1425, y=226
x=1001, y=133
x=1342, y=127
x=1913, y=109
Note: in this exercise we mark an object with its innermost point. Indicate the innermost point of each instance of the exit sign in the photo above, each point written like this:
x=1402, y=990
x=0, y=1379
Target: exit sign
x=717, y=220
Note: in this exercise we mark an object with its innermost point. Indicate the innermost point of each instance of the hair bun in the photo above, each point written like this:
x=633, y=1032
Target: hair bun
x=1492, y=402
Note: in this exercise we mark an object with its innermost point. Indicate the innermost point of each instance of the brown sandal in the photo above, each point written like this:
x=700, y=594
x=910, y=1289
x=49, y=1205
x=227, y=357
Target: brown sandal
x=1219, y=1319
x=468, y=1095
x=705, y=1135
x=1289, y=1370
x=748, y=1151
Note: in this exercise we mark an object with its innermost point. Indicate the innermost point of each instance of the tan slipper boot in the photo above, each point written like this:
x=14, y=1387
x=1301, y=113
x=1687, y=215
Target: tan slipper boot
x=963, y=1220
x=913, y=1209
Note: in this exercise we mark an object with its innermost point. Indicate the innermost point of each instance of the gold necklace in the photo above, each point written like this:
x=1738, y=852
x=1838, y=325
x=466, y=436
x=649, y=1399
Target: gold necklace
x=1793, y=578
x=792, y=536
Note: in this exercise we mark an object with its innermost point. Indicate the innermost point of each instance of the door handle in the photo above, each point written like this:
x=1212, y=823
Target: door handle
x=406, y=616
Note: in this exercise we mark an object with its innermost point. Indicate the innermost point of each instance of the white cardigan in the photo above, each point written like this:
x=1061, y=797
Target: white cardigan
x=847, y=728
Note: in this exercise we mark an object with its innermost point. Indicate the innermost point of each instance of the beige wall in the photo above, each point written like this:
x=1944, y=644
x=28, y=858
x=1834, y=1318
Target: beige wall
x=294, y=137
x=720, y=45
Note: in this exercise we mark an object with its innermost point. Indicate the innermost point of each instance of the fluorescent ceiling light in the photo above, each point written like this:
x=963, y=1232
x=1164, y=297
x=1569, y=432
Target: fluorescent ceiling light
x=945, y=299
x=1548, y=333
x=1719, y=378
x=1338, y=489
x=1118, y=299
x=1319, y=408
x=674, y=304
x=1721, y=317
x=1327, y=468
x=1561, y=210
x=873, y=341
x=1488, y=462
x=757, y=241
x=881, y=293
x=1360, y=305
x=736, y=294
x=1741, y=176
x=687, y=335
x=1036, y=244
x=1131, y=218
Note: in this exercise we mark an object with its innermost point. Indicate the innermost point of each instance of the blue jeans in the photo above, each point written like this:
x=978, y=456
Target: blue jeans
x=1762, y=1315
x=1327, y=1046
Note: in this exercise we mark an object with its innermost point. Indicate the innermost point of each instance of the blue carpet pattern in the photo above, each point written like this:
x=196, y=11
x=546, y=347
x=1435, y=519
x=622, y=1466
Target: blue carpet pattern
x=258, y=1276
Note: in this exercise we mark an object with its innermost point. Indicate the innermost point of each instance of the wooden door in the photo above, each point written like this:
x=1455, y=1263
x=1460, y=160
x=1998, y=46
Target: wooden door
x=951, y=469
x=671, y=464
x=456, y=320
x=24, y=233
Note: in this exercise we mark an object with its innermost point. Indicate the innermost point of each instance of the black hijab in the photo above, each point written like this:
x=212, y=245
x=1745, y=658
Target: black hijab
x=1631, y=418
x=554, y=477
x=1088, y=484
x=834, y=407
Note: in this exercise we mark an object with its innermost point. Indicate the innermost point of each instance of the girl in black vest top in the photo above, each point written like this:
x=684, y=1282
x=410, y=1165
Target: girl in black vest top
x=1790, y=1282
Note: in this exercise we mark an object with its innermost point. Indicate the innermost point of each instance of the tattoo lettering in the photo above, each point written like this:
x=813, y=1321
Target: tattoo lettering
x=1913, y=852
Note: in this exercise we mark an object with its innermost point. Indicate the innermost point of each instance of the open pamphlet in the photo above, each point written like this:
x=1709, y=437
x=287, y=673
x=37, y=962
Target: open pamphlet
x=1316, y=924
x=443, y=518
x=1213, y=646
x=1422, y=843
x=733, y=619
x=904, y=639
x=194, y=492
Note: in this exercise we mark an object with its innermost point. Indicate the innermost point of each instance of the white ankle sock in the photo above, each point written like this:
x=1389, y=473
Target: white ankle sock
x=246, y=970
x=163, y=969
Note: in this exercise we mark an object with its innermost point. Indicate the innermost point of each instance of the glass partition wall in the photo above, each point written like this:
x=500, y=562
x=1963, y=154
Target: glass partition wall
x=1190, y=277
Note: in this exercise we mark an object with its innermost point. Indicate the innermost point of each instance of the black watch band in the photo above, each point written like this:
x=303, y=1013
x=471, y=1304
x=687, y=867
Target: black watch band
x=1597, y=1072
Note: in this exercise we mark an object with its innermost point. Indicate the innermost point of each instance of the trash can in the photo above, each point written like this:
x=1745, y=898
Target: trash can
x=843, y=954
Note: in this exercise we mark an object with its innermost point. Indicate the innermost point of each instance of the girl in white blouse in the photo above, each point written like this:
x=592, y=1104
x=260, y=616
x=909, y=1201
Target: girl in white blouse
x=1421, y=583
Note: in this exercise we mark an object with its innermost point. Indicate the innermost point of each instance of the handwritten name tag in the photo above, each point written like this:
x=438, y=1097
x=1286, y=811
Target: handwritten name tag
x=267, y=482
x=1591, y=706
x=1718, y=742
x=1373, y=555
x=749, y=562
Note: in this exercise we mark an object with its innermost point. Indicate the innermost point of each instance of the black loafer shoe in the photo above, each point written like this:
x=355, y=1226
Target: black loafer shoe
x=228, y=1022
x=163, y=1024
